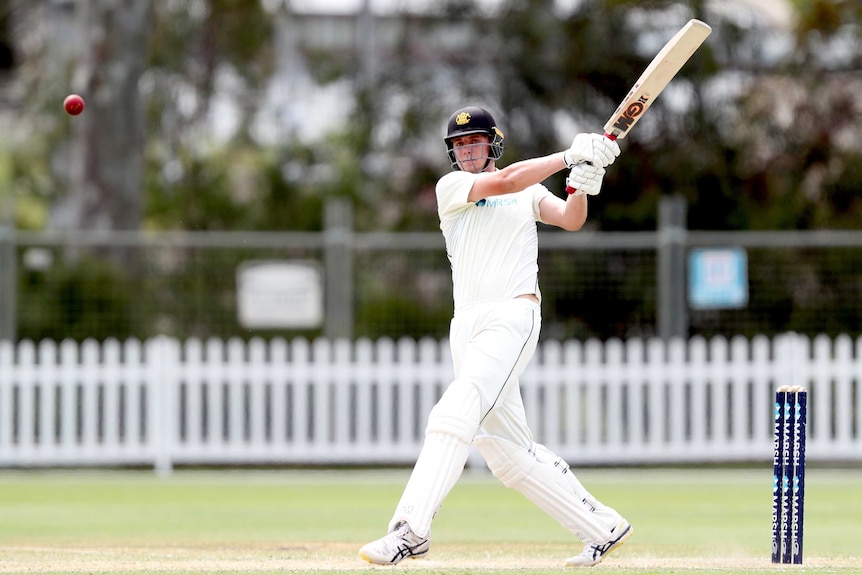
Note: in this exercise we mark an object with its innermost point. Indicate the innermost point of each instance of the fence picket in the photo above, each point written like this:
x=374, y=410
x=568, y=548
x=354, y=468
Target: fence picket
x=26, y=389
x=843, y=378
x=134, y=379
x=8, y=374
x=111, y=385
x=634, y=367
x=69, y=378
x=46, y=377
x=366, y=389
x=659, y=418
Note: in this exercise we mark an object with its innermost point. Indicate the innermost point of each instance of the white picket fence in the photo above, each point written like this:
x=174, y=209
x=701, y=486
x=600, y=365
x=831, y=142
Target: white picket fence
x=164, y=402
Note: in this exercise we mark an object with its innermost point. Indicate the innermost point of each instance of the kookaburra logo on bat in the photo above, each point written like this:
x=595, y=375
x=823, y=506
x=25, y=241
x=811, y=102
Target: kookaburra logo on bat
x=632, y=111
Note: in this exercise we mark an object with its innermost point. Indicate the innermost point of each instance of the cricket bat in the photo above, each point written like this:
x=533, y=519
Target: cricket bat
x=666, y=64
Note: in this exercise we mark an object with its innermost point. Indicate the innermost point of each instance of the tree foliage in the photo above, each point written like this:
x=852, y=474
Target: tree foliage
x=802, y=146
x=751, y=139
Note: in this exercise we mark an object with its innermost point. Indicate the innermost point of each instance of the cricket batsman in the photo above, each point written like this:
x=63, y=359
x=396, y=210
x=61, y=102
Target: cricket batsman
x=488, y=218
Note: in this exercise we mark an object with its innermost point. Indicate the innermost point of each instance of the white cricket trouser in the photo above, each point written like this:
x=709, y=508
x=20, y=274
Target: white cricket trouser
x=491, y=346
x=492, y=343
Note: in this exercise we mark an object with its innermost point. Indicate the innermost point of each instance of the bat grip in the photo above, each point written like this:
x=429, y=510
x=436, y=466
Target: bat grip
x=569, y=189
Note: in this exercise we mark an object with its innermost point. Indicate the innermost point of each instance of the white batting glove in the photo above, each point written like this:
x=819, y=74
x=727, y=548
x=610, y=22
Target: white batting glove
x=585, y=179
x=592, y=148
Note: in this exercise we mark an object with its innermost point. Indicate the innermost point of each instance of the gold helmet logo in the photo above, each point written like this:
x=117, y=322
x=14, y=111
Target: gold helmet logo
x=462, y=118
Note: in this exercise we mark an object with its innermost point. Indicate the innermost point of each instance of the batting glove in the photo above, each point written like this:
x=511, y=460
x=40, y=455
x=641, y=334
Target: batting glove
x=585, y=179
x=592, y=148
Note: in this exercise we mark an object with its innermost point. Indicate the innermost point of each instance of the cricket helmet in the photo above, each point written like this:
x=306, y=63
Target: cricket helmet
x=474, y=120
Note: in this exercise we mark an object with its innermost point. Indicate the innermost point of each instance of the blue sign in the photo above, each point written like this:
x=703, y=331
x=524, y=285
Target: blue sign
x=718, y=278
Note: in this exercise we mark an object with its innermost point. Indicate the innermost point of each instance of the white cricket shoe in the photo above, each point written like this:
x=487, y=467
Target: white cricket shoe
x=399, y=544
x=593, y=553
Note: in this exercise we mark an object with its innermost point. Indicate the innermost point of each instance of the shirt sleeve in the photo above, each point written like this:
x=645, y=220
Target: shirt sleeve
x=452, y=191
x=540, y=192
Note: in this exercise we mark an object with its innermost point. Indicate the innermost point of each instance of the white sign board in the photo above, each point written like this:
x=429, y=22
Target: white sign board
x=279, y=294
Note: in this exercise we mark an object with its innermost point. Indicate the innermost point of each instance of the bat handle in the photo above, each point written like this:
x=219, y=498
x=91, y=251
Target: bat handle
x=569, y=189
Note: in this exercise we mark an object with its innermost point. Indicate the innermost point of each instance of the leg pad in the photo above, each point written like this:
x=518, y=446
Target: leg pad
x=547, y=481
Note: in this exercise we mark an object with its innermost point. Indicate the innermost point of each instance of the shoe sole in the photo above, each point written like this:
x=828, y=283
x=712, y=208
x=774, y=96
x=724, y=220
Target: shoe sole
x=626, y=534
x=364, y=556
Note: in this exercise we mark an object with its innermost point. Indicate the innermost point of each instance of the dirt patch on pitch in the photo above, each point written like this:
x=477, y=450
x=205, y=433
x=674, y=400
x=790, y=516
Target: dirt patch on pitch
x=343, y=557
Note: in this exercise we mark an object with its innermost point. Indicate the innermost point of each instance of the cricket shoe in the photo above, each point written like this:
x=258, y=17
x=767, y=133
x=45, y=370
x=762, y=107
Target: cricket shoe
x=593, y=553
x=398, y=545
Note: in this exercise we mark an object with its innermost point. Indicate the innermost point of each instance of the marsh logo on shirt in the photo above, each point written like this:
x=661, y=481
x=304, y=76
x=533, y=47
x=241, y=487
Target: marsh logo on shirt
x=496, y=202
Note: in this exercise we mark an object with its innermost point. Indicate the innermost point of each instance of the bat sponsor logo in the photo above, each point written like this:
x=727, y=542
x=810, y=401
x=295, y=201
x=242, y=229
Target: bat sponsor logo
x=630, y=114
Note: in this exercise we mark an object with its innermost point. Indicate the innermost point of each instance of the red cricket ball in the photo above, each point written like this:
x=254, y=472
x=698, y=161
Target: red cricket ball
x=74, y=104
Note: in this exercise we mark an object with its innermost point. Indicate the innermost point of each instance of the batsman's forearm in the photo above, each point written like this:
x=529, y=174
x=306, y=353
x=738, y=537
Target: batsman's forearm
x=575, y=215
x=520, y=175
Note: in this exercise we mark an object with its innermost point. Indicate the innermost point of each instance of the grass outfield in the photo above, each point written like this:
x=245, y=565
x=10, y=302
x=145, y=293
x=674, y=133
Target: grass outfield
x=686, y=521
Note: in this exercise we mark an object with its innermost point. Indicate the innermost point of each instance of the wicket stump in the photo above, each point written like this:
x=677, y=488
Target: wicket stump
x=788, y=473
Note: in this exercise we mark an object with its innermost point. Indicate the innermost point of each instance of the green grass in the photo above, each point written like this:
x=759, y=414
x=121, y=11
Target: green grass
x=701, y=521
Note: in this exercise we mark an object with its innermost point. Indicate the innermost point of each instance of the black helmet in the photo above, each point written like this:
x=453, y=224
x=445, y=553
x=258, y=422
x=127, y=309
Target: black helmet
x=473, y=120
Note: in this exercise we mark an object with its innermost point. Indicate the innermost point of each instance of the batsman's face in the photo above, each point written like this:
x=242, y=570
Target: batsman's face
x=472, y=152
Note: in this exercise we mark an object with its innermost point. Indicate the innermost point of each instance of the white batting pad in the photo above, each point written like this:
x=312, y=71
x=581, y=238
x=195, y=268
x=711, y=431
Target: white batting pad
x=451, y=426
x=545, y=479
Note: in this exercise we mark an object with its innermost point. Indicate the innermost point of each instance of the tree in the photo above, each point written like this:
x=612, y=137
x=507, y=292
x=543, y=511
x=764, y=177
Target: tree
x=106, y=168
x=797, y=131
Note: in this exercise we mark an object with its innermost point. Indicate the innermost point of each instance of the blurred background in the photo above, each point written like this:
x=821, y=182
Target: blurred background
x=233, y=254
x=266, y=168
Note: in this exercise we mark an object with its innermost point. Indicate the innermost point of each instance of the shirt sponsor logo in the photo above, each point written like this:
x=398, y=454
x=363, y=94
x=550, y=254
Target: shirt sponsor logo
x=497, y=202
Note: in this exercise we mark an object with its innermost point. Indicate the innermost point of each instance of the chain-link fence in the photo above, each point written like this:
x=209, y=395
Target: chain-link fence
x=606, y=285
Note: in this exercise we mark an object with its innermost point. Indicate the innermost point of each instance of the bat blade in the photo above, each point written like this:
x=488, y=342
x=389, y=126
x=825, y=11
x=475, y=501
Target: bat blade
x=657, y=75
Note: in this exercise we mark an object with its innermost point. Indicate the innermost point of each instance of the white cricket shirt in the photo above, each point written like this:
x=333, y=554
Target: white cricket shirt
x=492, y=244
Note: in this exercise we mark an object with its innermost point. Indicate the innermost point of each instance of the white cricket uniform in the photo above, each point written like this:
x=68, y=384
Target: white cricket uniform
x=493, y=248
